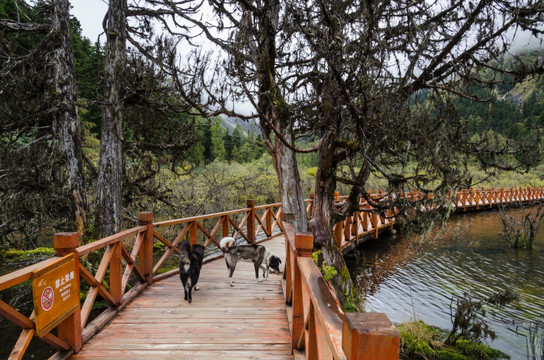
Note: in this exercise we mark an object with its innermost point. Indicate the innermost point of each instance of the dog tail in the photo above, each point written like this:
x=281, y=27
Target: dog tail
x=186, y=249
x=226, y=243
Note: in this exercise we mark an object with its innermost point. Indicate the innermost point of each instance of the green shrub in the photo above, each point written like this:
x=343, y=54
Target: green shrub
x=421, y=341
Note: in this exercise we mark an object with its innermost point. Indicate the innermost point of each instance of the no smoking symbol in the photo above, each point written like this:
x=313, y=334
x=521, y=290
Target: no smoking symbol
x=48, y=297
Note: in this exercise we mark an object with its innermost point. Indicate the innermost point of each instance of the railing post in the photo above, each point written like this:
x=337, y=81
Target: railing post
x=268, y=221
x=304, y=244
x=70, y=329
x=368, y=336
x=484, y=196
x=355, y=226
x=391, y=220
x=374, y=221
x=192, y=232
x=513, y=195
x=146, y=248
x=225, y=226
x=491, y=197
x=116, y=273
x=347, y=228
x=65, y=243
x=251, y=221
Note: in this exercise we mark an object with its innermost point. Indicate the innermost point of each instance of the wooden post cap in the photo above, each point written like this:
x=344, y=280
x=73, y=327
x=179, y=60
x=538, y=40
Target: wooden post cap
x=65, y=242
x=145, y=217
x=369, y=336
x=250, y=203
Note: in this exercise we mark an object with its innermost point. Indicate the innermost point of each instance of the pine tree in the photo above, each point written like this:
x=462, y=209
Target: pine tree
x=217, y=143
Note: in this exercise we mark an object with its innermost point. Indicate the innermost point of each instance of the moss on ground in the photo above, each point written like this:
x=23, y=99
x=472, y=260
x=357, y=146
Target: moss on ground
x=158, y=247
x=166, y=269
x=13, y=255
x=421, y=341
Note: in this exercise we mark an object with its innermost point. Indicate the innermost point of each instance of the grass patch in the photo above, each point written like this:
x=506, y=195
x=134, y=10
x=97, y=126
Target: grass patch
x=163, y=270
x=421, y=341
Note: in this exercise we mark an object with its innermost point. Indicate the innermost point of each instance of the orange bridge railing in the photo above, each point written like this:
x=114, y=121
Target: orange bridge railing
x=119, y=267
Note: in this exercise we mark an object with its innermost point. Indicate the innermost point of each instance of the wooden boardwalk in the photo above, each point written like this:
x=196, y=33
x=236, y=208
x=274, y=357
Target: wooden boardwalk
x=248, y=321
x=151, y=319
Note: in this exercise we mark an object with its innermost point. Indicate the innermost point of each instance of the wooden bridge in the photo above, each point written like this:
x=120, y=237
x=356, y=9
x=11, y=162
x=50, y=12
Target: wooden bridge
x=295, y=314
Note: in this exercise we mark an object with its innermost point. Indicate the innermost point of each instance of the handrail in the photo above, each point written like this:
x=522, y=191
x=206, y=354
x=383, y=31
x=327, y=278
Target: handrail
x=102, y=243
x=318, y=324
x=368, y=223
x=126, y=266
x=197, y=218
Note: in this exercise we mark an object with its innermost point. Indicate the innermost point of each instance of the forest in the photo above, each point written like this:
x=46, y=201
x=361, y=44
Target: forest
x=423, y=97
x=35, y=192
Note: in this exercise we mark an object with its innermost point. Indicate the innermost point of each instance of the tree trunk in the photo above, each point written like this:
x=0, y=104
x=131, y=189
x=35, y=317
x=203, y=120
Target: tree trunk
x=323, y=218
x=275, y=108
x=110, y=189
x=292, y=198
x=66, y=118
x=325, y=185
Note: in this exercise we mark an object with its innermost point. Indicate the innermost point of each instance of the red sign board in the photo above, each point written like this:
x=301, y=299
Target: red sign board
x=56, y=293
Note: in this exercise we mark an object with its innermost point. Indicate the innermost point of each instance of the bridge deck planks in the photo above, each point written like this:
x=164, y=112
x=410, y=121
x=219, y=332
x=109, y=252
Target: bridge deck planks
x=248, y=321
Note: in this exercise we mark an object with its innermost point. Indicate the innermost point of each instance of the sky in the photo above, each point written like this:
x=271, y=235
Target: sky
x=90, y=14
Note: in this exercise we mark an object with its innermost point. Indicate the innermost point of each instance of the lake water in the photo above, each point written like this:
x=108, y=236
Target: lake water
x=409, y=281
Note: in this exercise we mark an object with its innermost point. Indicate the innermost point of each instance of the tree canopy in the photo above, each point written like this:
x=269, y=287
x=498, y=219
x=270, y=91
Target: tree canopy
x=350, y=74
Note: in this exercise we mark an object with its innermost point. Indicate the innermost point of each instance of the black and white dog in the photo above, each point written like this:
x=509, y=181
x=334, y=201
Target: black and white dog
x=190, y=264
x=260, y=255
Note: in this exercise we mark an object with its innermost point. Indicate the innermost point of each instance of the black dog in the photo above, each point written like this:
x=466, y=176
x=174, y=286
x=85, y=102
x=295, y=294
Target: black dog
x=260, y=255
x=189, y=266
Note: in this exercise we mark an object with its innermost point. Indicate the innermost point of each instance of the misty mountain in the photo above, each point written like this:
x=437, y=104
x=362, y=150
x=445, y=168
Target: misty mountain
x=230, y=123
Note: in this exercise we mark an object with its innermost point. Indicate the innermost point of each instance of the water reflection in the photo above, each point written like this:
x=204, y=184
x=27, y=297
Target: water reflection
x=409, y=280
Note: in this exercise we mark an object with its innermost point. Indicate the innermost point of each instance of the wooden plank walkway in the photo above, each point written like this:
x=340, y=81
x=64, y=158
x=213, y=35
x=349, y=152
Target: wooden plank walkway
x=248, y=321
